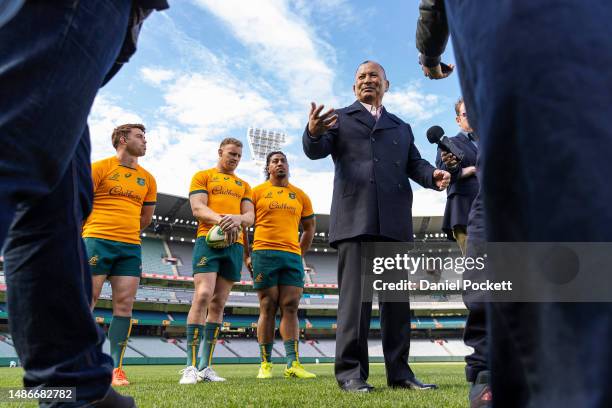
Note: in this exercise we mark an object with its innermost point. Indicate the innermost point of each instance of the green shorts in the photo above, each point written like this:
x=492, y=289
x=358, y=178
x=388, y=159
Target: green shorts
x=273, y=268
x=113, y=258
x=227, y=262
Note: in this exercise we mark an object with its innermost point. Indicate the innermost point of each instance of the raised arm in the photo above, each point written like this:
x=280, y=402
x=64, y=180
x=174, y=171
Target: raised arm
x=432, y=37
x=319, y=134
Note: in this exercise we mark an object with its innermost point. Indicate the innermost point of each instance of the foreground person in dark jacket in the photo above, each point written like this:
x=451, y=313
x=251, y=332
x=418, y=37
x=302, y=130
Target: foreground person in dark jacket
x=54, y=58
x=537, y=97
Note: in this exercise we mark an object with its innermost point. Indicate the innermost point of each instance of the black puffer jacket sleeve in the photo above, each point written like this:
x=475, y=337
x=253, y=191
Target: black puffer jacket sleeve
x=432, y=31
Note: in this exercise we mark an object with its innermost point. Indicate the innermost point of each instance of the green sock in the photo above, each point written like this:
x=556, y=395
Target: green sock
x=211, y=332
x=265, y=352
x=118, y=334
x=291, y=350
x=194, y=338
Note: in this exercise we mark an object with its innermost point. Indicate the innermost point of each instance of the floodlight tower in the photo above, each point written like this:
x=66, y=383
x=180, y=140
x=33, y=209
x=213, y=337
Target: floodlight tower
x=264, y=141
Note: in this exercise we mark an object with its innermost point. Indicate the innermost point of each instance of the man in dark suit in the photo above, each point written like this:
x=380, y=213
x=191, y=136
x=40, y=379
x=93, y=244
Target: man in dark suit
x=374, y=157
x=464, y=185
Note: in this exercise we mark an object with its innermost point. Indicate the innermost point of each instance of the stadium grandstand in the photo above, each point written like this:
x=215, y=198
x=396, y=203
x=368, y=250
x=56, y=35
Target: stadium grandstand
x=166, y=290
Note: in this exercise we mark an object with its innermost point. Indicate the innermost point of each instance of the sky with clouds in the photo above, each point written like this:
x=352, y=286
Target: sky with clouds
x=209, y=69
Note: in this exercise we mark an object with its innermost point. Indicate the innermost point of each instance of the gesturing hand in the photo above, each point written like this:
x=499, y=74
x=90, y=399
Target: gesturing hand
x=320, y=123
x=441, y=178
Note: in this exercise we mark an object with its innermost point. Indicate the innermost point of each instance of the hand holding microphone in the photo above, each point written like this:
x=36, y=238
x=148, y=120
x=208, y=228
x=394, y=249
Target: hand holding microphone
x=450, y=154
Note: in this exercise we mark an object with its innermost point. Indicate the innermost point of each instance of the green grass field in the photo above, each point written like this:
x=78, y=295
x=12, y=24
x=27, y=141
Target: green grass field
x=157, y=386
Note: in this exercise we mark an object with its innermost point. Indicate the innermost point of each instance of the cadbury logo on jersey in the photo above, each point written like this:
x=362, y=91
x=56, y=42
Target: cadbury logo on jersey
x=224, y=191
x=275, y=205
x=118, y=191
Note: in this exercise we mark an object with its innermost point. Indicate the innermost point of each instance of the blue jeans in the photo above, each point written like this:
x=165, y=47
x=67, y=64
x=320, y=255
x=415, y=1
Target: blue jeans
x=54, y=56
x=532, y=78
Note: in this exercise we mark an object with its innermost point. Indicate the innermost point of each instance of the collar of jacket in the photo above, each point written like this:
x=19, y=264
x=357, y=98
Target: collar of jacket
x=359, y=112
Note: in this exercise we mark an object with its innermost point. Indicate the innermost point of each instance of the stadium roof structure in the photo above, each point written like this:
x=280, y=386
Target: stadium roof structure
x=175, y=211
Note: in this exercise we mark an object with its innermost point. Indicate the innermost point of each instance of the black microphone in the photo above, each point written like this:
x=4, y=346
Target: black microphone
x=435, y=134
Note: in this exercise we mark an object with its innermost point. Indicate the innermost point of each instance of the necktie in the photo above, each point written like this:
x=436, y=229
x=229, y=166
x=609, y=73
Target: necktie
x=376, y=112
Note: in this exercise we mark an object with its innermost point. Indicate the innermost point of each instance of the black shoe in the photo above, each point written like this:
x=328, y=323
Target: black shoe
x=480, y=392
x=355, y=385
x=413, y=384
x=113, y=399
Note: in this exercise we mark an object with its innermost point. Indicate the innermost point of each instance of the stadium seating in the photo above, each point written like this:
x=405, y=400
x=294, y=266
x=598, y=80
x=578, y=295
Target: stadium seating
x=426, y=348
x=184, y=252
x=152, y=254
x=141, y=348
x=224, y=349
x=308, y=348
x=320, y=322
x=155, y=347
x=458, y=348
x=311, y=322
x=325, y=267
x=451, y=322
x=6, y=349
x=129, y=352
x=243, y=347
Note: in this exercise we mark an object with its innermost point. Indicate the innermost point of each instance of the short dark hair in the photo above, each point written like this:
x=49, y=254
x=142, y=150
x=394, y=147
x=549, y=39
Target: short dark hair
x=230, y=140
x=268, y=157
x=124, y=131
x=458, y=105
x=373, y=62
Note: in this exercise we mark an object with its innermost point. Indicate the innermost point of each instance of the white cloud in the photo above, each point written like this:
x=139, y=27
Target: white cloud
x=173, y=155
x=220, y=102
x=318, y=185
x=106, y=115
x=282, y=43
x=212, y=94
x=411, y=104
x=428, y=202
x=156, y=75
x=338, y=12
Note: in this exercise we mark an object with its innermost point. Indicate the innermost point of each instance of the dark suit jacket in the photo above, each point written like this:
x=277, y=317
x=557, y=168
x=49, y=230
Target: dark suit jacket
x=460, y=192
x=476, y=220
x=373, y=161
x=467, y=186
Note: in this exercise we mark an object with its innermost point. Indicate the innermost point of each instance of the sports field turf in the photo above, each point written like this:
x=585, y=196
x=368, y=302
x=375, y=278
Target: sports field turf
x=157, y=386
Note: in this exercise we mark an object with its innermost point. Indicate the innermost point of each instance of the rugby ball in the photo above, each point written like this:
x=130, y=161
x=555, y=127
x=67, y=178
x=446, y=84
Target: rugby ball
x=216, y=237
